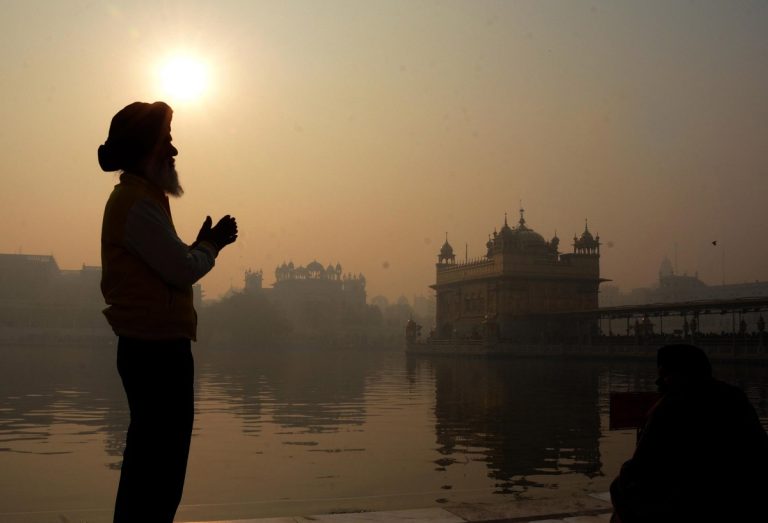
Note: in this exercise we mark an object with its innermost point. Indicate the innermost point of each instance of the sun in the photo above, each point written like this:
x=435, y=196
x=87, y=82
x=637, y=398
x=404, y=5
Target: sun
x=184, y=78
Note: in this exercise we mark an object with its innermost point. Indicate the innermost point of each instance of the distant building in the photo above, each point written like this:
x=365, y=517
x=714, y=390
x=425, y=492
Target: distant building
x=316, y=284
x=28, y=278
x=380, y=301
x=512, y=291
x=41, y=302
x=254, y=281
x=316, y=300
x=674, y=288
x=424, y=309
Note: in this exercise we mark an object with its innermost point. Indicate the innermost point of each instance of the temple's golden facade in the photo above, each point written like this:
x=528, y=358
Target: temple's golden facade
x=521, y=290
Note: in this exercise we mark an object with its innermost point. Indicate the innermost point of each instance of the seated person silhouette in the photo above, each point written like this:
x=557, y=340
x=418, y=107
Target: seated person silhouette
x=702, y=455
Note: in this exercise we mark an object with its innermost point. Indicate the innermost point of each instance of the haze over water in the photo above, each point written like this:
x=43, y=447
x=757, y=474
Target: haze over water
x=362, y=133
x=307, y=432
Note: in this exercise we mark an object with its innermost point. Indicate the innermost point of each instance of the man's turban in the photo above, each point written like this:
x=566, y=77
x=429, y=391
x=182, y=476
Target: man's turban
x=133, y=134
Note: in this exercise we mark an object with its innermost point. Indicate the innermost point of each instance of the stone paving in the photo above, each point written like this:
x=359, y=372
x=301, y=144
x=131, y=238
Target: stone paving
x=591, y=509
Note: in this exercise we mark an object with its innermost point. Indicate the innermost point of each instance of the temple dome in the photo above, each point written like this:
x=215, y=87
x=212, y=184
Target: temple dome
x=586, y=236
x=521, y=234
x=315, y=267
x=526, y=236
x=446, y=253
x=586, y=243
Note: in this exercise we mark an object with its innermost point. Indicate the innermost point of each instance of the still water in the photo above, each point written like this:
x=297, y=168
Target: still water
x=303, y=431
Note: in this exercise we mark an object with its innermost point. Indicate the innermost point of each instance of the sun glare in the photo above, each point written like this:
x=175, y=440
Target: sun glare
x=184, y=78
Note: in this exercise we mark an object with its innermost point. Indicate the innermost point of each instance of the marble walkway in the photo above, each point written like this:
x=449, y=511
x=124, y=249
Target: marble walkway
x=590, y=509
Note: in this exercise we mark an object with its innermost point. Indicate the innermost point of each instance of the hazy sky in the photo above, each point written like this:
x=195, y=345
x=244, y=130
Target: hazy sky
x=361, y=131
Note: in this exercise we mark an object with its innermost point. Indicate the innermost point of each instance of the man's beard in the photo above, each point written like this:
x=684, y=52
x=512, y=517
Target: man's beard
x=167, y=178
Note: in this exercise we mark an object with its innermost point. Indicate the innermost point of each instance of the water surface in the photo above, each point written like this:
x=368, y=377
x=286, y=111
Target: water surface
x=304, y=431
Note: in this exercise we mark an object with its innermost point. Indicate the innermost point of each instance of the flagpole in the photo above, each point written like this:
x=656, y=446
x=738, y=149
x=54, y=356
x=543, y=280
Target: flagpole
x=722, y=262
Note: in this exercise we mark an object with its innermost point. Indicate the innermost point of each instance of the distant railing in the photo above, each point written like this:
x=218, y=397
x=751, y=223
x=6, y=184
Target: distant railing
x=715, y=340
x=455, y=272
x=454, y=341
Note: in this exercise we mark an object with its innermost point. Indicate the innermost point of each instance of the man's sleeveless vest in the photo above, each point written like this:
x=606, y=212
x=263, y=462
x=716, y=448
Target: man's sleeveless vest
x=140, y=304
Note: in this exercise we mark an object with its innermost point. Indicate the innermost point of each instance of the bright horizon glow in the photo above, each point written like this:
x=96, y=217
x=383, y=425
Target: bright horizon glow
x=184, y=78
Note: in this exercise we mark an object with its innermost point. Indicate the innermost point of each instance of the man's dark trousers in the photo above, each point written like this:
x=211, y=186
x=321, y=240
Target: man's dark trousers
x=158, y=378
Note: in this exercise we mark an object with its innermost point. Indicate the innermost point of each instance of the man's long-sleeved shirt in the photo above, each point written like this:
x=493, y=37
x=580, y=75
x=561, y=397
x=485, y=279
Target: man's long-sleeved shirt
x=147, y=271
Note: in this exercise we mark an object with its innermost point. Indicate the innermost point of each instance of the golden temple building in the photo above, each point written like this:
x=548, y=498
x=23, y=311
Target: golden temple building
x=521, y=290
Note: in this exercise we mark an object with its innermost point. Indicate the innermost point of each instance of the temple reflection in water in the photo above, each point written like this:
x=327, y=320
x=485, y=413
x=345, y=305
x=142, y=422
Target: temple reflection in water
x=331, y=425
x=522, y=417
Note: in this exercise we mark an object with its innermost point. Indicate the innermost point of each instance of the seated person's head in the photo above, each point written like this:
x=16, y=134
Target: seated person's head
x=682, y=365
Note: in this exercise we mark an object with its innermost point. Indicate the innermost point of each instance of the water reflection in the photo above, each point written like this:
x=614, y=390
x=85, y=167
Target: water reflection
x=522, y=418
x=69, y=394
x=364, y=427
x=304, y=391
